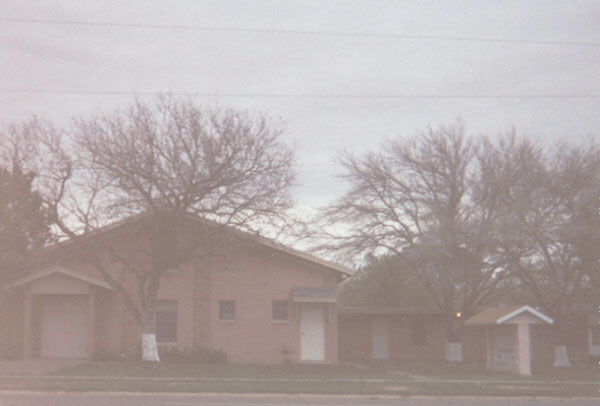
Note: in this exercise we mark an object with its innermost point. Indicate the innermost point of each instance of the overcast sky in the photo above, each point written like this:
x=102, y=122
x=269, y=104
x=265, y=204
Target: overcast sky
x=69, y=57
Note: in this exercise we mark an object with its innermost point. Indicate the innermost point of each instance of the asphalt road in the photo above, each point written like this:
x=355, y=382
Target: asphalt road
x=105, y=399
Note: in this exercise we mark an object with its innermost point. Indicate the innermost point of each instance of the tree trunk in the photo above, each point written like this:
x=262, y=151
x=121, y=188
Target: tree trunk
x=149, y=347
x=561, y=339
x=561, y=357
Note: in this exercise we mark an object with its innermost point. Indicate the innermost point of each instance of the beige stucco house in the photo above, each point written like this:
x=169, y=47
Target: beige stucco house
x=369, y=334
x=256, y=300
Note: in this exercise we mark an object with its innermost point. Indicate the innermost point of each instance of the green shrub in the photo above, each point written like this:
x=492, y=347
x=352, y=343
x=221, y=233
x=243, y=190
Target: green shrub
x=196, y=355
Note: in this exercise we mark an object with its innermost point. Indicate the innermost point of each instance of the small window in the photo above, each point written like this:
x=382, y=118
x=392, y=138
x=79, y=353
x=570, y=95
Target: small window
x=419, y=333
x=166, y=321
x=226, y=309
x=595, y=332
x=280, y=310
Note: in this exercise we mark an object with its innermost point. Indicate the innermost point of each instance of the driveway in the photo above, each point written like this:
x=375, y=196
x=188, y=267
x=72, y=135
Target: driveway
x=38, y=366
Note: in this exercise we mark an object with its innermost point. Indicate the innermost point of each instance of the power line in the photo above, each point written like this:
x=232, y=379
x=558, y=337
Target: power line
x=299, y=32
x=304, y=95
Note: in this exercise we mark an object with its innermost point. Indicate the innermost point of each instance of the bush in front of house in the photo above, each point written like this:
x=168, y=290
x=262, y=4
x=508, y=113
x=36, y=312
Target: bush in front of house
x=196, y=355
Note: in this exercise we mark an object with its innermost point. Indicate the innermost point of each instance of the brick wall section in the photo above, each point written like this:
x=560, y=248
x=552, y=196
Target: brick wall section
x=180, y=287
x=14, y=311
x=243, y=270
x=473, y=344
x=109, y=324
x=254, y=277
x=4, y=333
x=578, y=345
x=201, y=306
x=355, y=337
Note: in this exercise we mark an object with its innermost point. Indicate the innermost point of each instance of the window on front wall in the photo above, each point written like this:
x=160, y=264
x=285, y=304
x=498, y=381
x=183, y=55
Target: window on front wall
x=280, y=310
x=419, y=333
x=226, y=309
x=595, y=332
x=166, y=321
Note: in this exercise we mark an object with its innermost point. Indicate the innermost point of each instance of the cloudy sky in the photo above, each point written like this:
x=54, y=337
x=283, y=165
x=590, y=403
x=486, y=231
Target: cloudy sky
x=254, y=55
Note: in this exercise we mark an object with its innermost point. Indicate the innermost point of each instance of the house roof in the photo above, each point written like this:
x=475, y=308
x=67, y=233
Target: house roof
x=499, y=315
x=242, y=234
x=56, y=269
x=385, y=310
x=312, y=294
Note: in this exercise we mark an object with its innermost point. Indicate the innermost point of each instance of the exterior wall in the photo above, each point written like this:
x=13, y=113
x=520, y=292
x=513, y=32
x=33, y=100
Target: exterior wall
x=13, y=335
x=181, y=288
x=254, y=277
x=542, y=348
x=401, y=337
x=243, y=270
x=355, y=337
x=109, y=316
x=473, y=344
x=355, y=341
x=4, y=329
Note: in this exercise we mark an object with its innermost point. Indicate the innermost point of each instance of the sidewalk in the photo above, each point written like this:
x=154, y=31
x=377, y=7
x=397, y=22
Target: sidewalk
x=284, y=380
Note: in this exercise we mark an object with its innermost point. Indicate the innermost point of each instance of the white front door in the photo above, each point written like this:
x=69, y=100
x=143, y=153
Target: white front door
x=380, y=339
x=64, y=326
x=594, y=337
x=312, y=332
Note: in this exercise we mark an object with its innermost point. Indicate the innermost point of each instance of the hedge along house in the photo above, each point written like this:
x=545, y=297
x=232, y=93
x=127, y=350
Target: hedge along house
x=252, y=298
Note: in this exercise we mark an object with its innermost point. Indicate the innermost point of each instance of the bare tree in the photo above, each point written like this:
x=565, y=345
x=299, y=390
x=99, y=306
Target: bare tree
x=556, y=232
x=433, y=201
x=161, y=158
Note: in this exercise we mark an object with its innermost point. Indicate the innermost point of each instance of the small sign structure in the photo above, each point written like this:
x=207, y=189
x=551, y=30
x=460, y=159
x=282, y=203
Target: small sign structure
x=507, y=336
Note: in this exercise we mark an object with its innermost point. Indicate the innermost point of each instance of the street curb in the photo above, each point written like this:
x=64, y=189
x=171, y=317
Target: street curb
x=290, y=380
x=283, y=395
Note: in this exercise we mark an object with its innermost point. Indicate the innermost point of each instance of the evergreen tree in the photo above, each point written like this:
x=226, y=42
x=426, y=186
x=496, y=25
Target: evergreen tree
x=24, y=222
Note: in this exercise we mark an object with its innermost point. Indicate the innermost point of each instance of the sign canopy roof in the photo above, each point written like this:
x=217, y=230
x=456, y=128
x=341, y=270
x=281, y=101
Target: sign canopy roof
x=504, y=315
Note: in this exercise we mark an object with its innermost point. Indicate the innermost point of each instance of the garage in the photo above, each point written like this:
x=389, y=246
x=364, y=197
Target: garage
x=64, y=326
x=59, y=313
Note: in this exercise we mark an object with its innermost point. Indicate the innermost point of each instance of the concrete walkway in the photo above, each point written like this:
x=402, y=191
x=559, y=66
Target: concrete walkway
x=37, y=366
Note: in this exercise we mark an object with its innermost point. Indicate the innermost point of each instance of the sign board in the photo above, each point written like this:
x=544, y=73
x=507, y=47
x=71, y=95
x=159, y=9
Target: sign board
x=504, y=348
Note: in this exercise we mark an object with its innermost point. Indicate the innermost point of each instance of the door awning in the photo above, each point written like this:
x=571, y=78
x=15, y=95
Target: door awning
x=313, y=295
x=60, y=270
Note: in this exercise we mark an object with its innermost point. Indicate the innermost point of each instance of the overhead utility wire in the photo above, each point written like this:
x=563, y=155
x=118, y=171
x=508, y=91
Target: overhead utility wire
x=299, y=32
x=305, y=95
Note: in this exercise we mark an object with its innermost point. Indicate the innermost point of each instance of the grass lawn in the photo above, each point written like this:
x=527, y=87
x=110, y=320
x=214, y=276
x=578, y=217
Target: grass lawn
x=541, y=371
x=389, y=371
x=393, y=379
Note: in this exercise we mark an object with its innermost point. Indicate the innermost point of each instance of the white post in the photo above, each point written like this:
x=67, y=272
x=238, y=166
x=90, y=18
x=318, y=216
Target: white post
x=27, y=326
x=489, y=350
x=524, y=357
x=91, y=321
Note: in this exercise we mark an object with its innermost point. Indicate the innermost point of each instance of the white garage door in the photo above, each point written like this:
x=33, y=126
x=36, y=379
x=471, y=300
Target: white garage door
x=64, y=326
